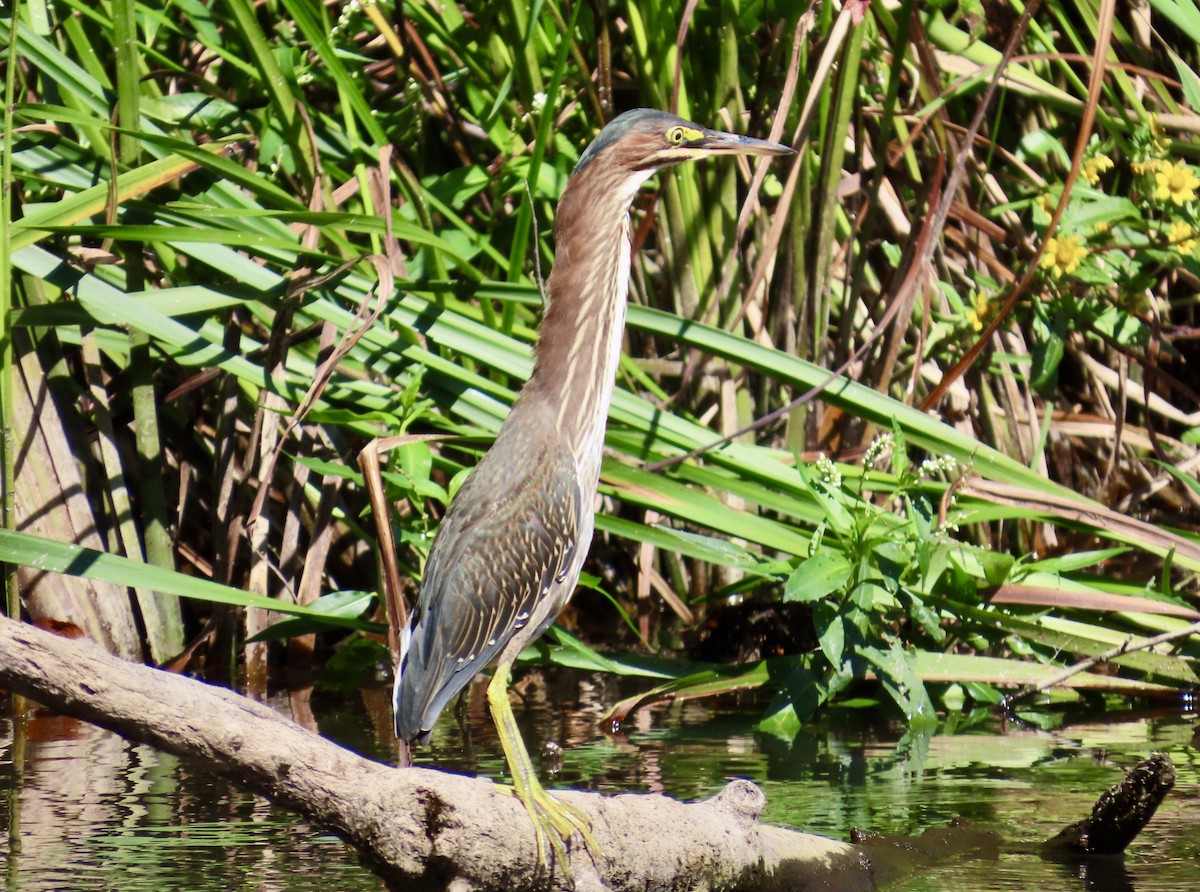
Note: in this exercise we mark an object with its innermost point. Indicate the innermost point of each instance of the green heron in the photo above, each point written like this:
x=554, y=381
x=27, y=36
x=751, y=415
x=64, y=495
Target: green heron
x=508, y=552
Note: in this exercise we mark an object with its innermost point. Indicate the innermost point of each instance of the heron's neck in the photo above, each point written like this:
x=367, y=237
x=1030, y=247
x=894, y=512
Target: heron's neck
x=579, y=345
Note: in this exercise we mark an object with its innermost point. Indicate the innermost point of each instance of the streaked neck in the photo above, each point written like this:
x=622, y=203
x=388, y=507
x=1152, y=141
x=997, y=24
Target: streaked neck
x=580, y=341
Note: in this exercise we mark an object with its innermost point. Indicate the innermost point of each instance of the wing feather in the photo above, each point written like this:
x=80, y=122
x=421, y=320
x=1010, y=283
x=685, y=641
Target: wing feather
x=507, y=543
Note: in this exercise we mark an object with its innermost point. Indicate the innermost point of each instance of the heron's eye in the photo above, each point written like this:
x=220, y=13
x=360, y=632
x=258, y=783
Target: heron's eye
x=676, y=136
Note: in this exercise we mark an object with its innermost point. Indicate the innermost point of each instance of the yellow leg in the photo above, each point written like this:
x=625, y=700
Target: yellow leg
x=555, y=823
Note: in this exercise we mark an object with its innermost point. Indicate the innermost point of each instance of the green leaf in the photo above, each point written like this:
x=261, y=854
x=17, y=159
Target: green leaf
x=939, y=559
x=109, y=306
x=801, y=694
x=891, y=560
x=1187, y=480
x=561, y=648
x=825, y=572
x=996, y=566
x=74, y=560
x=704, y=683
x=831, y=633
x=1040, y=144
x=1184, y=15
x=871, y=597
x=1097, y=208
x=191, y=109
x=344, y=604
x=981, y=692
x=832, y=502
x=781, y=719
x=899, y=677
x=970, y=669
x=1122, y=327
x=926, y=618
x=1048, y=350
x=954, y=698
x=329, y=468
x=710, y=549
x=901, y=463
x=1074, y=561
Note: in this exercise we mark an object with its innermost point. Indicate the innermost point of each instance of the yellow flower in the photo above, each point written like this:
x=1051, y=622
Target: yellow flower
x=1047, y=203
x=1148, y=166
x=1063, y=255
x=1177, y=182
x=1182, y=236
x=1158, y=133
x=981, y=312
x=1102, y=227
x=1093, y=167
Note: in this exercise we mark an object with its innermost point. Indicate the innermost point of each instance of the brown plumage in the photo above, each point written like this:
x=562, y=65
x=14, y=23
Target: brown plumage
x=508, y=553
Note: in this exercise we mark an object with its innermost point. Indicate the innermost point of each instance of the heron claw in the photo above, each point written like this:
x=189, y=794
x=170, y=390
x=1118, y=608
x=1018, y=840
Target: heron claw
x=556, y=825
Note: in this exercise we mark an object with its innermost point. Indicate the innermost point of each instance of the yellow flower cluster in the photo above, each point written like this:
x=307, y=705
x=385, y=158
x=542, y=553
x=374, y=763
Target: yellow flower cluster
x=1175, y=181
x=1093, y=167
x=981, y=312
x=1158, y=133
x=1063, y=255
x=1182, y=236
x=1150, y=157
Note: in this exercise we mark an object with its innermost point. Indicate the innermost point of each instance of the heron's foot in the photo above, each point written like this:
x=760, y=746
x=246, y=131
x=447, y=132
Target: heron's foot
x=556, y=825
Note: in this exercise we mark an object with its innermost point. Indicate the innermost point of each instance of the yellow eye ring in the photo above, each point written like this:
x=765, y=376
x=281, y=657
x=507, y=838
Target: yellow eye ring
x=676, y=136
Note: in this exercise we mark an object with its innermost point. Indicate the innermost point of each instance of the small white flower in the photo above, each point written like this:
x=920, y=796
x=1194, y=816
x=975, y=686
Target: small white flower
x=828, y=471
x=878, y=447
x=349, y=11
x=943, y=464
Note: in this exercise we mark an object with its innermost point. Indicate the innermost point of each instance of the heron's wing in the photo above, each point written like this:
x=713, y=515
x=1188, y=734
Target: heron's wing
x=505, y=546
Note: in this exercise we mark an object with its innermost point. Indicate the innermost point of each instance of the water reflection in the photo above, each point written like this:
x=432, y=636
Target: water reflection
x=86, y=810
x=91, y=811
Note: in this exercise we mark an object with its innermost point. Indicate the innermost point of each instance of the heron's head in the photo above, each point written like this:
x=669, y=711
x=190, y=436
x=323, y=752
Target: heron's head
x=643, y=140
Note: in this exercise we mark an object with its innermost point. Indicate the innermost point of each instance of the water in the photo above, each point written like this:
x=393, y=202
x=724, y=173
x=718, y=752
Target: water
x=86, y=810
x=92, y=811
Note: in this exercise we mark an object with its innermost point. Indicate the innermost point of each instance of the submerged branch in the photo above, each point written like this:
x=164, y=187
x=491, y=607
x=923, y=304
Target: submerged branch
x=1119, y=815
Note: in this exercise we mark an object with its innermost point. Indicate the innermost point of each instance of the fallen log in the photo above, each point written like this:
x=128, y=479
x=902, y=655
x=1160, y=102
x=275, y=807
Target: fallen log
x=422, y=829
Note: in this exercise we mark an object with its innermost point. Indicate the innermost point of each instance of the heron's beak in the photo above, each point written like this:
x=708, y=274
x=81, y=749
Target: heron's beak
x=720, y=142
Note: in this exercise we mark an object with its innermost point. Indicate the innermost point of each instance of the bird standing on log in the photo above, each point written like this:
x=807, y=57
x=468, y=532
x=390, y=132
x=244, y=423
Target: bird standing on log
x=507, y=555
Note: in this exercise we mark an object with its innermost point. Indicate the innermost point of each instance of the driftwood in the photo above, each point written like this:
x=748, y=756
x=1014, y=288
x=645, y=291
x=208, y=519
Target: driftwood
x=419, y=828
x=1118, y=816
x=424, y=829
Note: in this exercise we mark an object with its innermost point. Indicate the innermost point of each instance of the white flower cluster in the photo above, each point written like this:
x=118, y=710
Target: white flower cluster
x=880, y=445
x=828, y=471
x=943, y=464
x=349, y=12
